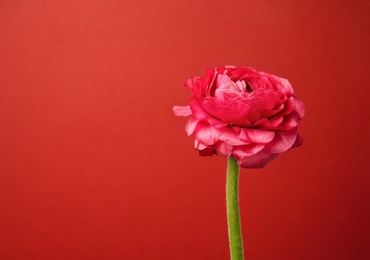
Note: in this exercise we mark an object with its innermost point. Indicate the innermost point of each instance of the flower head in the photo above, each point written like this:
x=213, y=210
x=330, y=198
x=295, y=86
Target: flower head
x=240, y=112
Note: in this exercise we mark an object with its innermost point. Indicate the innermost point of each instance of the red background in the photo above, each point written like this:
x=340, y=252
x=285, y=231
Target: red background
x=94, y=165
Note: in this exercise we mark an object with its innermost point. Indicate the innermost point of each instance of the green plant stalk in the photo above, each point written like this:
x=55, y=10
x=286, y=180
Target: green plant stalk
x=232, y=205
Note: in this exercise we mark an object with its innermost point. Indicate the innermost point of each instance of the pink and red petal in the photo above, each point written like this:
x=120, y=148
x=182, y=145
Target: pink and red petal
x=223, y=148
x=191, y=125
x=197, y=86
x=243, y=151
x=299, y=107
x=182, y=110
x=258, y=160
x=283, y=141
x=205, y=134
x=256, y=135
x=209, y=151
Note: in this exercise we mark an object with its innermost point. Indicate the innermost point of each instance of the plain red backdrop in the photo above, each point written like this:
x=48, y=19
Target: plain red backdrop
x=94, y=165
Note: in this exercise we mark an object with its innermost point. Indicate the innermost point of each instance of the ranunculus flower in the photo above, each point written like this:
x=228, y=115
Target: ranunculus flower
x=240, y=112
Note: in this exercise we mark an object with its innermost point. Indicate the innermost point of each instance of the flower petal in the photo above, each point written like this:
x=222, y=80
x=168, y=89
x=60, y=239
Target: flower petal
x=242, y=151
x=205, y=134
x=256, y=135
x=182, y=110
x=230, y=135
x=289, y=121
x=191, y=125
x=209, y=151
x=199, y=146
x=258, y=160
x=224, y=83
x=244, y=113
x=298, y=141
x=299, y=107
x=197, y=109
x=197, y=86
x=282, y=142
x=223, y=148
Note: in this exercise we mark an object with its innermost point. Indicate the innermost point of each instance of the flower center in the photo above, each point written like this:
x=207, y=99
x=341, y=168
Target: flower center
x=248, y=87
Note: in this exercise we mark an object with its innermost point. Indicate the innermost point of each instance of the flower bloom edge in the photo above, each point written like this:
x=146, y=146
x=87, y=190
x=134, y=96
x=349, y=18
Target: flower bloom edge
x=244, y=113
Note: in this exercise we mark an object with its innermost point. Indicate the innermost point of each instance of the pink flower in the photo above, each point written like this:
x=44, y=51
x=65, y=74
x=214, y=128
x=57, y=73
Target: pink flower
x=240, y=112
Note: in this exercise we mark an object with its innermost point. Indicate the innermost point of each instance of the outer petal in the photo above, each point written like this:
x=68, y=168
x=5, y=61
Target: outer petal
x=244, y=151
x=197, y=86
x=241, y=73
x=237, y=136
x=299, y=107
x=223, y=148
x=199, y=146
x=281, y=84
x=283, y=141
x=276, y=121
x=191, y=125
x=288, y=107
x=182, y=110
x=298, y=141
x=289, y=121
x=205, y=134
x=197, y=109
x=230, y=135
x=258, y=160
x=256, y=135
x=209, y=151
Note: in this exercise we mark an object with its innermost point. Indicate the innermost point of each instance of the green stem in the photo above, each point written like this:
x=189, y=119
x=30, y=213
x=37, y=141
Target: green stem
x=232, y=203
